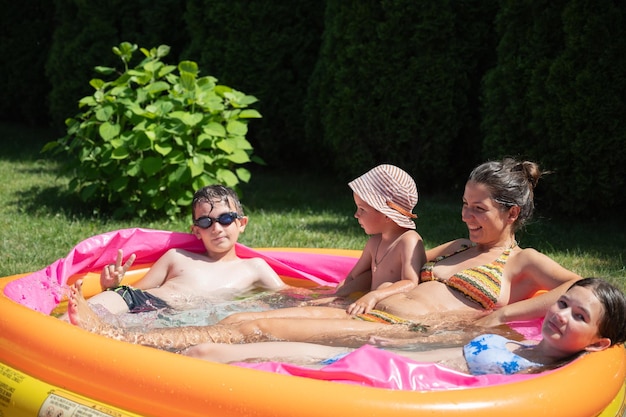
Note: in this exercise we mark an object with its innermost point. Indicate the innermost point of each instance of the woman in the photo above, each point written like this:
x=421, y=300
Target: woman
x=589, y=317
x=486, y=273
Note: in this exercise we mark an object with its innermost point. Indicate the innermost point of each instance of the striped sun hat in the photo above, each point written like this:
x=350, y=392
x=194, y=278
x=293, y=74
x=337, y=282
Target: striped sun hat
x=389, y=190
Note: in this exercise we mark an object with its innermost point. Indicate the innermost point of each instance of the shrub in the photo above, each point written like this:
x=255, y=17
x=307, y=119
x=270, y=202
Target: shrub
x=146, y=140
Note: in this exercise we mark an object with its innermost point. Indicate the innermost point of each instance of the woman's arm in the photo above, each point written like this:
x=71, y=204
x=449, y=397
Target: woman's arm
x=532, y=272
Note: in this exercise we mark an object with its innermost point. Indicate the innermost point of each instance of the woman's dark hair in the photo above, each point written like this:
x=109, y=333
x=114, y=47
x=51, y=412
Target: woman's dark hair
x=216, y=193
x=612, y=324
x=511, y=183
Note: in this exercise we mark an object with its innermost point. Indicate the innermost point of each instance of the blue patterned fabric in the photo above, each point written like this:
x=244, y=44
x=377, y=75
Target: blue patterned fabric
x=488, y=354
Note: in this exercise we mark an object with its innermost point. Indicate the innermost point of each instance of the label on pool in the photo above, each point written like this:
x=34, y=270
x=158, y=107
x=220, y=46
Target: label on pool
x=61, y=404
x=24, y=396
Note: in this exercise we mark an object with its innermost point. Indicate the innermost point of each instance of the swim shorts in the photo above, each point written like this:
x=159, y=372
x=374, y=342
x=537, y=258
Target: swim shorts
x=139, y=301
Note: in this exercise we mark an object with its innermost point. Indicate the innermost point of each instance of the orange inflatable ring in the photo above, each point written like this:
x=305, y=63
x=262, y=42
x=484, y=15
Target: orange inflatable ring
x=48, y=365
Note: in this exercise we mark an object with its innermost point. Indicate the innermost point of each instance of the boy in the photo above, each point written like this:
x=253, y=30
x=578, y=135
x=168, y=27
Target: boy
x=385, y=197
x=180, y=275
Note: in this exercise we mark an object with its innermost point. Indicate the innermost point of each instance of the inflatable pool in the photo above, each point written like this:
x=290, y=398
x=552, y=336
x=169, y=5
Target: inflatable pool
x=51, y=368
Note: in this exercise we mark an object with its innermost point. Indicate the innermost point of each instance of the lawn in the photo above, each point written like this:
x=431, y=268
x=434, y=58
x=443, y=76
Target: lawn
x=299, y=209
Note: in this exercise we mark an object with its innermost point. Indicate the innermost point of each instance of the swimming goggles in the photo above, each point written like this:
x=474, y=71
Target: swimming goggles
x=224, y=219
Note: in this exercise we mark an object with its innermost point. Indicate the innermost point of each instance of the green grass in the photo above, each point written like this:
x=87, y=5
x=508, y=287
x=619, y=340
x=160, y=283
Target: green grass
x=40, y=223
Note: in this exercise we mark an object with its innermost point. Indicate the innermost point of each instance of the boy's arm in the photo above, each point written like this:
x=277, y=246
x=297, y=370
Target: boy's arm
x=360, y=277
x=358, y=281
x=367, y=302
x=412, y=258
x=267, y=277
x=158, y=272
x=351, y=285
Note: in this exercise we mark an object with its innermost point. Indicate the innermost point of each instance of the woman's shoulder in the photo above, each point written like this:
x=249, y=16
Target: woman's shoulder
x=454, y=245
x=528, y=255
x=448, y=248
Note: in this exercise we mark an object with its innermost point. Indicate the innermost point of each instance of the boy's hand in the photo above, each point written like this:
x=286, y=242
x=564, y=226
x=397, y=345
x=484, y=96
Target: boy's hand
x=113, y=274
x=364, y=304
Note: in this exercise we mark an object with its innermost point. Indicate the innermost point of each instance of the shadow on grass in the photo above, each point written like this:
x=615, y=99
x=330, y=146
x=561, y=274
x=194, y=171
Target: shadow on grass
x=55, y=200
x=286, y=193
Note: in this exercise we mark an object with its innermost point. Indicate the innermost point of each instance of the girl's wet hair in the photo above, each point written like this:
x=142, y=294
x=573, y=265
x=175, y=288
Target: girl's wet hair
x=613, y=321
x=511, y=183
x=216, y=193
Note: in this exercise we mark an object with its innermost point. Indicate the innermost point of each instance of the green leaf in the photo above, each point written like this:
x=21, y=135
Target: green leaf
x=125, y=51
x=120, y=153
x=238, y=157
x=150, y=134
x=188, y=81
x=250, y=114
x=180, y=175
x=134, y=168
x=188, y=66
x=222, y=89
x=227, y=145
x=117, y=142
x=214, y=129
x=189, y=119
x=243, y=174
x=235, y=127
x=108, y=131
x=175, y=157
x=185, y=199
x=50, y=146
x=247, y=100
x=96, y=83
x=152, y=66
x=142, y=141
x=196, y=166
x=157, y=87
x=163, y=50
x=164, y=107
x=166, y=69
x=86, y=101
x=242, y=143
x=205, y=141
x=119, y=184
x=163, y=148
x=104, y=113
x=151, y=165
x=104, y=70
x=87, y=192
x=226, y=177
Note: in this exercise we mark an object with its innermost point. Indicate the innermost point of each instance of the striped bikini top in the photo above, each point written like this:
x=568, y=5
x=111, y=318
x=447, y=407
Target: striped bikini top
x=480, y=284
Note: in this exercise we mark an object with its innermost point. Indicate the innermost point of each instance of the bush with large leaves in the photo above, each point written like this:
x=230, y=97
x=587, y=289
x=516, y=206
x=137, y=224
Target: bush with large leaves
x=148, y=139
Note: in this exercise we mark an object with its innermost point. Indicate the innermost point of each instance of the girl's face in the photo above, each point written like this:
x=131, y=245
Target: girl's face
x=571, y=324
x=218, y=238
x=487, y=222
x=370, y=219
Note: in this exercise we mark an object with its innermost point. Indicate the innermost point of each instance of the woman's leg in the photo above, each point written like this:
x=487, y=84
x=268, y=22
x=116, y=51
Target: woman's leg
x=291, y=312
x=333, y=332
x=324, y=331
